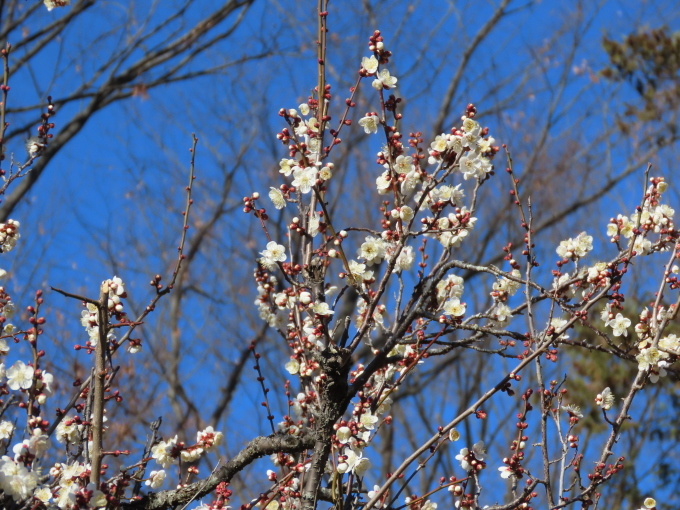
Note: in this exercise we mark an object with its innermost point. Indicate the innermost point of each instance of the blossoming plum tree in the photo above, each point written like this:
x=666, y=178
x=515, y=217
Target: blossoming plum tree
x=402, y=281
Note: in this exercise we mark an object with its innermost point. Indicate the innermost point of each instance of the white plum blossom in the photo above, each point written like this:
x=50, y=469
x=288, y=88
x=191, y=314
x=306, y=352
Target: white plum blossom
x=20, y=376
x=506, y=472
x=304, y=178
x=648, y=503
x=454, y=435
x=455, y=143
x=653, y=361
x=384, y=80
x=474, y=166
x=44, y=383
x=373, y=250
x=558, y=323
x=156, y=479
x=371, y=494
x=68, y=430
x=287, y=166
x=273, y=254
x=620, y=226
x=8, y=309
x=312, y=125
x=477, y=451
x=410, y=181
x=670, y=343
x=642, y=245
x=505, y=287
x=369, y=64
x=661, y=217
x=502, y=312
x=384, y=406
x=209, y=438
x=605, y=399
x=471, y=126
x=454, y=308
x=38, y=443
x=560, y=282
x=9, y=234
x=51, y=4
x=573, y=410
x=405, y=260
x=116, y=293
x=116, y=286
x=277, y=198
x=35, y=144
x=15, y=480
x=450, y=287
x=293, y=366
x=43, y=494
x=429, y=505
x=6, y=429
x=485, y=145
x=164, y=452
x=450, y=231
x=370, y=123
x=440, y=143
x=404, y=213
x=597, y=273
x=354, y=462
x=575, y=248
x=383, y=182
x=191, y=455
x=453, y=194
x=67, y=495
x=314, y=224
x=620, y=325
x=283, y=300
x=358, y=271
x=322, y=308
x=326, y=172
x=89, y=320
x=403, y=164
x=368, y=420
x=343, y=435
x=35, y=445
x=70, y=472
x=313, y=145
x=304, y=109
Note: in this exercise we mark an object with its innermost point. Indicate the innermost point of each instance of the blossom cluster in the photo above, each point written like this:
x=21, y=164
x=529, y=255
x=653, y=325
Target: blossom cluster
x=575, y=248
x=654, y=218
x=375, y=249
x=9, y=235
x=468, y=146
x=303, y=304
x=90, y=316
x=504, y=288
x=472, y=459
x=51, y=4
x=167, y=453
x=654, y=359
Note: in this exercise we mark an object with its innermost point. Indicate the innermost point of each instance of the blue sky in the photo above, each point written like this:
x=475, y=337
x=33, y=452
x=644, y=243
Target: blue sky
x=113, y=193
